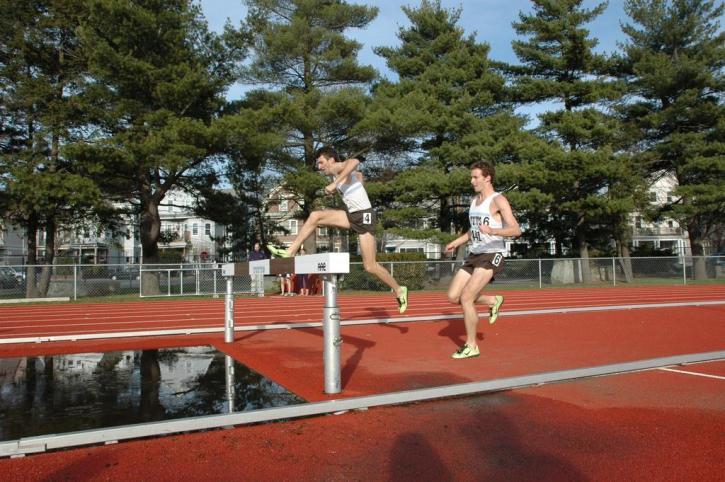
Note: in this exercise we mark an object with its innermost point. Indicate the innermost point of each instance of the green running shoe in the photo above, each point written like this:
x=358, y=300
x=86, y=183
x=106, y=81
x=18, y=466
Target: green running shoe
x=279, y=252
x=403, y=300
x=494, y=309
x=466, y=351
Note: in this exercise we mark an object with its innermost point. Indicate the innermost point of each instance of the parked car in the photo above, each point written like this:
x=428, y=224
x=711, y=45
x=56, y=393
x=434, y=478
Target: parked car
x=9, y=278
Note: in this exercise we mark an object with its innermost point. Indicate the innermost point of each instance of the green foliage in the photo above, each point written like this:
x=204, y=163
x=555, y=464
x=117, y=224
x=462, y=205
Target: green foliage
x=168, y=256
x=43, y=72
x=408, y=270
x=159, y=80
x=449, y=104
x=302, y=55
x=571, y=185
x=673, y=66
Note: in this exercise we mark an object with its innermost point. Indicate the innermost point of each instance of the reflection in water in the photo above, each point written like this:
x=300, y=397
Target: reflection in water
x=229, y=376
x=66, y=393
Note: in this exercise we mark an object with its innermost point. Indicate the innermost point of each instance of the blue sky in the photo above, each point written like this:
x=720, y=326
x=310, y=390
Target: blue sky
x=489, y=20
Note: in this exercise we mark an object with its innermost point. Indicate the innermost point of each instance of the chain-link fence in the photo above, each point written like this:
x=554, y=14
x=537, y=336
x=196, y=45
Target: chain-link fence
x=99, y=280
x=84, y=281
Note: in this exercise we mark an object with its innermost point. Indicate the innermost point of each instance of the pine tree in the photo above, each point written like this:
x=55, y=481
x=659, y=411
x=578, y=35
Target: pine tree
x=446, y=110
x=673, y=64
x=160, y=78
x=310, y=70
x=243, y=211
x=43, y=73
x=571, y=183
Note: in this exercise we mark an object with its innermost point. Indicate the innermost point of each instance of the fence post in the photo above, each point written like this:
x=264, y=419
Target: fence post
x=75, y=282
x=684, y=270
x=540, y=273
x=614, y=272
x=215, y=273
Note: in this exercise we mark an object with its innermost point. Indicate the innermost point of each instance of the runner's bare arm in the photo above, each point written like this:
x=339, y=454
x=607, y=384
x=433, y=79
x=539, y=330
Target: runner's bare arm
x=510, y=227
x=341, y=170
x=453, y=245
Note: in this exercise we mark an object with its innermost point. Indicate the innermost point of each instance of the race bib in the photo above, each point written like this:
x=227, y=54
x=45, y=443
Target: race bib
x=367, y=218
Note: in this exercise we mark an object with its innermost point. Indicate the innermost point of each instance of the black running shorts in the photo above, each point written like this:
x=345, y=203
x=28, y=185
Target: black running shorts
x=492, y=261
x=362, y=221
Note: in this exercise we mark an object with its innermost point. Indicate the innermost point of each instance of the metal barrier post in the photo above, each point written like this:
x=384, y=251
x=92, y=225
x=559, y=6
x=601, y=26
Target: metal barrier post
x=229, y=372
x=331, y=336
x=229, y=312
x=539, y=272
x=257, y=279
x=614, y=272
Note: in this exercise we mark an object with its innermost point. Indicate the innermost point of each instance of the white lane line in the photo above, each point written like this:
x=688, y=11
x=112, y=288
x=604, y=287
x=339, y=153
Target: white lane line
x=692, y=373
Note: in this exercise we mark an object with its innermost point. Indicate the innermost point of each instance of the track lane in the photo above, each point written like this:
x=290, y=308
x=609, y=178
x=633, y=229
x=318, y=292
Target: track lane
x=56, y=320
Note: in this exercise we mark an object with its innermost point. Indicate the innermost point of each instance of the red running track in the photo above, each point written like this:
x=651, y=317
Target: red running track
x=646, y=426
x=653, y=425
x=650, y=426
x=96, y=318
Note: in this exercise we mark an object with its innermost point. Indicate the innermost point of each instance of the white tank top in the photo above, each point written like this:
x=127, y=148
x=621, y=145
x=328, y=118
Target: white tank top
x=354, y=195
x=481, y=214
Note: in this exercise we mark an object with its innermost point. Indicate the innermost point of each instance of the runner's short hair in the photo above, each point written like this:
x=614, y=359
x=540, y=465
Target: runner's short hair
x=486, y=168
x=329, y=152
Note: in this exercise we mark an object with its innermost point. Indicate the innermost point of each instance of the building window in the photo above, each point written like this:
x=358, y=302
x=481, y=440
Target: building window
x=194, y=229
x=207, y=229
x=638, y=222
x=283, y=205
x=292, y=225
x=322, y=232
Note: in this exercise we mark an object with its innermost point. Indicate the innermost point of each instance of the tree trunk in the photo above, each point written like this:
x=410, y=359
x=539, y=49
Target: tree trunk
x=697, y=244
x=310, y=243
x=625, y=260
x=150, y=228
x=586, y=272
x=444, y=214
x=150, y=407
x=31, y=290
x=44, y=282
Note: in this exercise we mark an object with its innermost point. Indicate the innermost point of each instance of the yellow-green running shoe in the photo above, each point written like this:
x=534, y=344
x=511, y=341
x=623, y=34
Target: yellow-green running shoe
x=494, y=309
x=403, y=299
x=279, y=252
x=466, y=351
